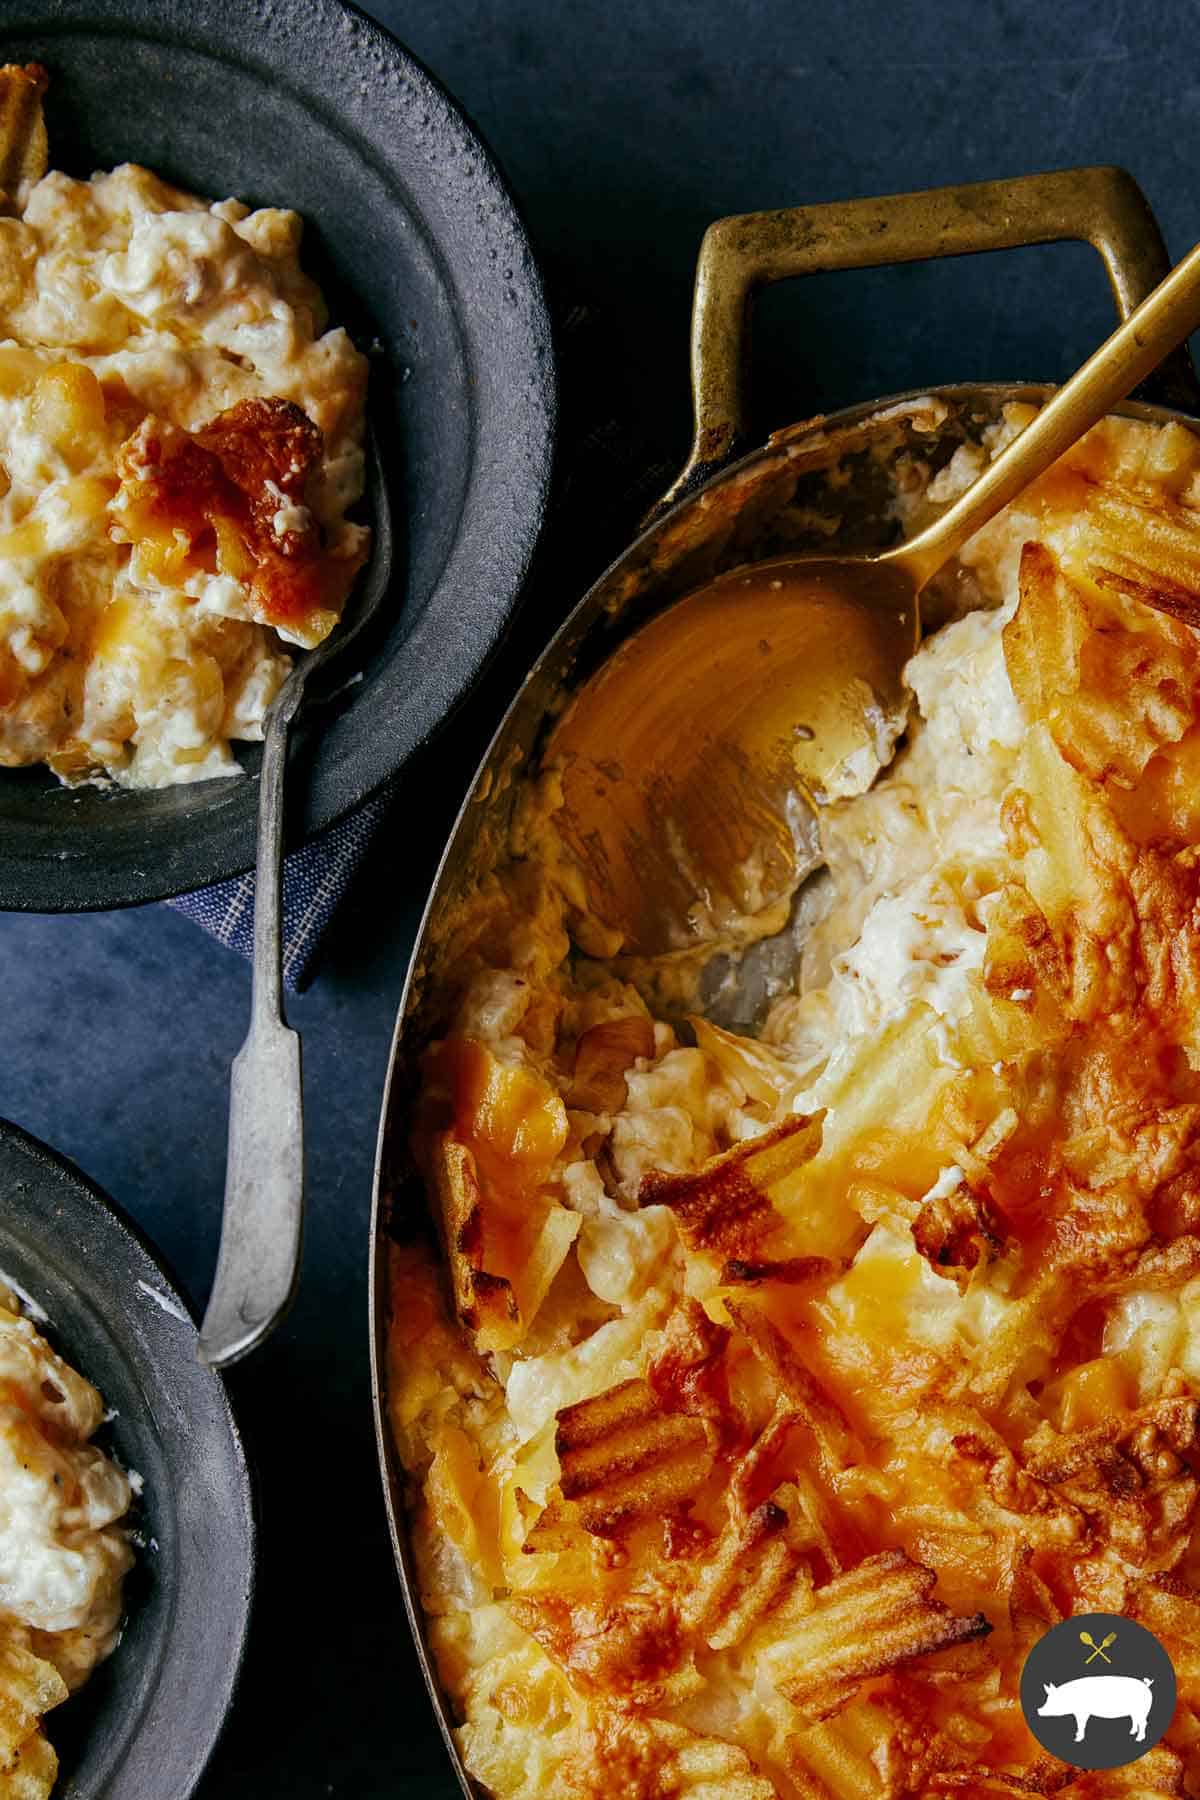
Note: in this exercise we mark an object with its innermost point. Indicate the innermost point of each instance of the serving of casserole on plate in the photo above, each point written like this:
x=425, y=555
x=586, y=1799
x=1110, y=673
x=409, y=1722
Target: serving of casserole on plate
x=181, y=438
x=64, y=1548
x=767, y=1396
x=172, y=312
x=127, y=1530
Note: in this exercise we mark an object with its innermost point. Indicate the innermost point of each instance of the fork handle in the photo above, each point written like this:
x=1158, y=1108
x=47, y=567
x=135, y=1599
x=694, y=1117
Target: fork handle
x=262, y=1223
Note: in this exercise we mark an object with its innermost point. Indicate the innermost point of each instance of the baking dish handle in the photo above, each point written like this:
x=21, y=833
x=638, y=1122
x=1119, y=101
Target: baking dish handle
x=1103, y=207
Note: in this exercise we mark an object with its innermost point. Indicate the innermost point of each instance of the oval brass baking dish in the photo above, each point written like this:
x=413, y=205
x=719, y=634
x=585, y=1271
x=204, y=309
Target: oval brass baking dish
x=728, y=508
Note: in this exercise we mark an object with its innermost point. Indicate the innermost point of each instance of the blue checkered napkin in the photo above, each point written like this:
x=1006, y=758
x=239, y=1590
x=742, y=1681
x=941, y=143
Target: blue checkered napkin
x=315, y=879
x=610, y=476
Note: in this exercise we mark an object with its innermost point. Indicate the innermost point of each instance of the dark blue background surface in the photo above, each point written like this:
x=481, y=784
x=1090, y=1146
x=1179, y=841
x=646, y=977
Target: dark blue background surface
x=624, y=132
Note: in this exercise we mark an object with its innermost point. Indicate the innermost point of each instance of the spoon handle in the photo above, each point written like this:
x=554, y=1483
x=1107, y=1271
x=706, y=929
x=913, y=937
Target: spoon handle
x=1164, y=319
x=261, y=1227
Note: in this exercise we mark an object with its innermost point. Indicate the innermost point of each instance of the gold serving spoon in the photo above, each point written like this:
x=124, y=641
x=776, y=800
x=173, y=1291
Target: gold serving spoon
x=691, y=760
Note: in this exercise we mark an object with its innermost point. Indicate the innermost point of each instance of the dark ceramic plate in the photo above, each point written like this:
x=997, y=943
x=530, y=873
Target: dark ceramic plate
x=147, y=1721
x=412, y=233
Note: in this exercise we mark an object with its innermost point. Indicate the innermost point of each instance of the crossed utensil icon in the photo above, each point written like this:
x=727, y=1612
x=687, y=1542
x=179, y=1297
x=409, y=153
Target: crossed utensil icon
x=1085, y=1637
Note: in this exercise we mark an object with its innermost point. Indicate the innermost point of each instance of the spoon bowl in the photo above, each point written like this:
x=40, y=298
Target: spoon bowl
x=692, y=762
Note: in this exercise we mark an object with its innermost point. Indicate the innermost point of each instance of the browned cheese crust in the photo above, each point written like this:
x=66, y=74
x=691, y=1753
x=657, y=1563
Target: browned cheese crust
x=773, y=1408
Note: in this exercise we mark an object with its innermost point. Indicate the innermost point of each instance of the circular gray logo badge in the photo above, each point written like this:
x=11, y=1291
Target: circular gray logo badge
x=1098, y=1691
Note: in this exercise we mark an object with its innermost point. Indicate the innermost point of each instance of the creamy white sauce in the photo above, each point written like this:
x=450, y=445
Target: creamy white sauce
x=947, y=1183
x=914, y=861
x=62, y=1553
x=179, y=309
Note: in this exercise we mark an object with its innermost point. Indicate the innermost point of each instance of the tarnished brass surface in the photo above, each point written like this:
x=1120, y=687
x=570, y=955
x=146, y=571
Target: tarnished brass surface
x=1103, y=207
x=687, y=760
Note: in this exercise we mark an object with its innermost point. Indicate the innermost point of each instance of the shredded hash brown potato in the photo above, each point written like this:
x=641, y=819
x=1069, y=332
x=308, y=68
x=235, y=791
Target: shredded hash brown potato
x=180, y=440
x=64, y=1551
x=785, y=1390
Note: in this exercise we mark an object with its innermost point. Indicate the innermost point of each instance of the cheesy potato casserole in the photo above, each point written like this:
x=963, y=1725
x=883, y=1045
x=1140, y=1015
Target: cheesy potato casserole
x=63, y=1550
x=180, y=439
x=783, y=1390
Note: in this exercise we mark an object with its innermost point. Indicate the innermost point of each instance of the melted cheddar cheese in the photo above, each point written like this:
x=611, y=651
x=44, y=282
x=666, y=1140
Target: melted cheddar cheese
x=64, y=1551
x=786, y=1389
x=180, y=440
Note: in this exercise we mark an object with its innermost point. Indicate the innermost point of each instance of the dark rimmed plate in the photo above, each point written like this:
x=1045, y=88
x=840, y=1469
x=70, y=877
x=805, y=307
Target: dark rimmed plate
x=414, y=237
x=149, y=1718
